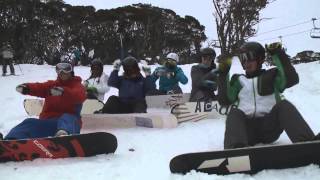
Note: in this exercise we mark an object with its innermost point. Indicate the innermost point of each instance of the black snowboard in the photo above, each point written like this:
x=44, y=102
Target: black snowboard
x=248, y=160
x=82, y=145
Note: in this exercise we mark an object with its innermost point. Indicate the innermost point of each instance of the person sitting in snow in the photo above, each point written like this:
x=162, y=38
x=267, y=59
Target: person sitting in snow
x=97, y=84
x=170, y=75
x=132, y=88
x=61, y=110
x=204, y=77
x=262, y=113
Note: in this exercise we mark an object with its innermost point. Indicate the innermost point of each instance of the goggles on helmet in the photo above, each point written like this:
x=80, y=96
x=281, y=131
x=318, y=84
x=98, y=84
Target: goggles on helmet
x=247, y=57
x=64, y=67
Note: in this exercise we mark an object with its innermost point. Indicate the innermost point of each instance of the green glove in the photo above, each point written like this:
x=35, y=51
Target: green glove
x=225, y=63
x=274, y=48
x=92, y=89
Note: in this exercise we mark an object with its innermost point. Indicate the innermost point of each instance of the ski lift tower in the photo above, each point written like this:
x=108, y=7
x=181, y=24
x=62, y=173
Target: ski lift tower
x=315, y=31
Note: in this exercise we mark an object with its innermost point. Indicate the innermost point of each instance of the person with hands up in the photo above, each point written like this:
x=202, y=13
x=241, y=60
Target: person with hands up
x=261, y=113
x=97, y=84
x=169, y=76
x=132, y=87
x=62, y=105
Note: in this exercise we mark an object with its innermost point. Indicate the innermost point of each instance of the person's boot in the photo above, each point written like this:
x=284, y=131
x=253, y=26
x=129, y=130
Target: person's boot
x=61, y=132
x=1, y=136
x=317, y=137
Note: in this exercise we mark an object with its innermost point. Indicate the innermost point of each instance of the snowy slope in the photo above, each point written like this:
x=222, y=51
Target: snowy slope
x=153, y=147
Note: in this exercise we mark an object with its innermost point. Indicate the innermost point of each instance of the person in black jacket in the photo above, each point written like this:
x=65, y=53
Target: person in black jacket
x=132, y=88
x=204, y=77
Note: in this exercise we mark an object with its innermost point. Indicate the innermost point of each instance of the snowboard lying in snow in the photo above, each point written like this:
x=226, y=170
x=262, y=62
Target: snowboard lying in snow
x=149, y=120
x=166, y=101
x=195, y=111
x=248, y=160
x=82, y=145
x=33, y=107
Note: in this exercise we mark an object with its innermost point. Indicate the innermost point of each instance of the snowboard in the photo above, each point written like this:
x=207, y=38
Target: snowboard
x=82, y=145
x=33, y=107
x=248, y=160
x=195, y=111
x=149, y=120
x=166, y=101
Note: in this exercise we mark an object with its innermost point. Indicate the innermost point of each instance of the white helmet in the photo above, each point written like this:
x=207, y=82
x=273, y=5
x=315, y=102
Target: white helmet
x=173, y=56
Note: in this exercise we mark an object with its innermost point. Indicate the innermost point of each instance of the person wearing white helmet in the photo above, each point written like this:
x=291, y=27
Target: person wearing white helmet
x=170, y=75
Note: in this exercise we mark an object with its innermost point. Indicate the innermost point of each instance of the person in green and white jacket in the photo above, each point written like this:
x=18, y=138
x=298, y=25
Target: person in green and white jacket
x=261, y=112
x=97, y=84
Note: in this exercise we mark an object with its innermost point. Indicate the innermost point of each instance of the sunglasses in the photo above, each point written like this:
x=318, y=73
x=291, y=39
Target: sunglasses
x=247, y=57
x=64, y=67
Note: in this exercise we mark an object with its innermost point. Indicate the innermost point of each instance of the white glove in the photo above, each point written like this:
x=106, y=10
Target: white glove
x=117, y=64
x=147, y=70
x=56, y=91
x=170, y=75
x=85, y=83
x=160, y=72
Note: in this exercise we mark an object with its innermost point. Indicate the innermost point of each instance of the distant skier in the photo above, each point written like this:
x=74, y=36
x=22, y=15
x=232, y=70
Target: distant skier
x=132, y=88
x=61, y=110
x=204, y=77
x=261, y=114
x=97, y=84
x=170, y=75
x=7, y=59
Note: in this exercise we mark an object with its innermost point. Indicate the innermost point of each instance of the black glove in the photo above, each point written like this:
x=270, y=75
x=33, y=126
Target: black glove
x=274, y=48
x=23, y=89
x=209, y=84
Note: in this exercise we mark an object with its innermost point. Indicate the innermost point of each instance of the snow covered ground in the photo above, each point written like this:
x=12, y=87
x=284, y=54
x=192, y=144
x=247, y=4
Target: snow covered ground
x=153, y=148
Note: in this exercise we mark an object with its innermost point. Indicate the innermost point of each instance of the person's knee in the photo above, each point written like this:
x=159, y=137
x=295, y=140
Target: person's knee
x=285, y=104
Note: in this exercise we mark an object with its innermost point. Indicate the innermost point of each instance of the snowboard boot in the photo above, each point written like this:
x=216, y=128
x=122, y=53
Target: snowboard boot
x=317, y=137
x=61, y=132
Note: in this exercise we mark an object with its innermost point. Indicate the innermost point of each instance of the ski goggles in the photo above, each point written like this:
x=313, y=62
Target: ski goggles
x=64, y=67
x=247, y=57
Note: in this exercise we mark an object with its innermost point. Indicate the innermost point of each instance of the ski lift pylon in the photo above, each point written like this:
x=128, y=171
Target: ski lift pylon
x=315, y=31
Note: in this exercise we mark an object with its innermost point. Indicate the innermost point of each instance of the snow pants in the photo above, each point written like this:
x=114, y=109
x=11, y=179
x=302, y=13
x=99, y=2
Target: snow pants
x=242, y=131
x=37, y=128
x=5, y=63
x=115, y=106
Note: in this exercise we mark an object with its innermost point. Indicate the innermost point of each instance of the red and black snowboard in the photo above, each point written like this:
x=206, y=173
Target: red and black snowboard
x=82, y=145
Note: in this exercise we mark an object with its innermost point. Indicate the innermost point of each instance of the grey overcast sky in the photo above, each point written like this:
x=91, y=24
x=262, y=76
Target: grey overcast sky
x=292, y=17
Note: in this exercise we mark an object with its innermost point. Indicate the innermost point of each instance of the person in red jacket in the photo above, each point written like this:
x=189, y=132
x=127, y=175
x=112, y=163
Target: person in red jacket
x=61, y=111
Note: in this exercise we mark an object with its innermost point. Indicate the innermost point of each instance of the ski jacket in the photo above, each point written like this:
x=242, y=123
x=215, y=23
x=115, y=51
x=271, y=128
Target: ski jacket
x=256, y=96
x=101, y=84
x=131, y=90
x=168, y=83
x=200, y=76
x=7, y=53
x=54, y=106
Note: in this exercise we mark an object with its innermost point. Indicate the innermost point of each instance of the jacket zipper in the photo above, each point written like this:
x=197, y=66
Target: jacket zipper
x=254, y=98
